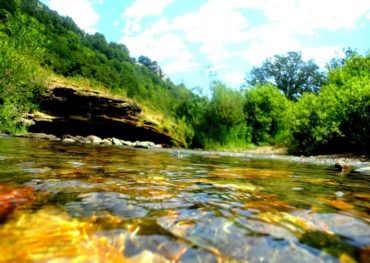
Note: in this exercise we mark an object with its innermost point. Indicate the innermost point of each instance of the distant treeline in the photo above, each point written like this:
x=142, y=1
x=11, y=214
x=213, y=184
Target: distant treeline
x=287, y=101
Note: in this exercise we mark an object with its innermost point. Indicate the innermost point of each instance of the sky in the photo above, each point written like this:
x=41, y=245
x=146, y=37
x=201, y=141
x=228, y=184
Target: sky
x=197, y=41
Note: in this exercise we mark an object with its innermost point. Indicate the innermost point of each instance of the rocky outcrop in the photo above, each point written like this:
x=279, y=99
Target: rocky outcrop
x=73, y=111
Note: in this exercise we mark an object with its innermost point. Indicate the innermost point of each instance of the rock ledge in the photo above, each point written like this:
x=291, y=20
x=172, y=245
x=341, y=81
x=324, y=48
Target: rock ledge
x=78, y=112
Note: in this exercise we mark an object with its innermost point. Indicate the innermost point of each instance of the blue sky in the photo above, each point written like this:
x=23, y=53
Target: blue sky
x=197, y=40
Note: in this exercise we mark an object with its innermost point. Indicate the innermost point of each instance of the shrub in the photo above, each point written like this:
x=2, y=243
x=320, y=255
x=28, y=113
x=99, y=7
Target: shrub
x=21, y=84
x=338, y=119
x=223, y=124
x=265, y=110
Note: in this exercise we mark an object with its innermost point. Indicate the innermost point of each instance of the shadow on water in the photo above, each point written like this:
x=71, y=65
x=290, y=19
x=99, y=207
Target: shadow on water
x=111, y=204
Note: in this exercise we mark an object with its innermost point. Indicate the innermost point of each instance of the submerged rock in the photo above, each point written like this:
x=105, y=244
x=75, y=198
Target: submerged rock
x=100, y=203
x=10, y=198
x=39, y=136
x=343, y=167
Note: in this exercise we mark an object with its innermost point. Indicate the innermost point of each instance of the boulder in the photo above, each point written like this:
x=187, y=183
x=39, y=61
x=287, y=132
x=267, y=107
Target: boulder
x=3, y=135
x=117, y=142
x=343, y=167
x=39, y=136
x=68, y=141
x=94, y=139
x=144, y=145
x=107, y=142
x=128, y=143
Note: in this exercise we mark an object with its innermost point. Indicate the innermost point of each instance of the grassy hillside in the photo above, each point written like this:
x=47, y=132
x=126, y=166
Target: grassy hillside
x=50, y=44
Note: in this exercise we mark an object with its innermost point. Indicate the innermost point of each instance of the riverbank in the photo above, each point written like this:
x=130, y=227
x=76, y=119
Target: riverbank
x=353, y=162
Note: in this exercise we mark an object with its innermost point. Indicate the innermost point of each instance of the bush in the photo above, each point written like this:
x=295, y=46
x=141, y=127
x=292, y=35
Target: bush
x=223, y=125
x=338, y=119
x=21, y=85
x=265, y=110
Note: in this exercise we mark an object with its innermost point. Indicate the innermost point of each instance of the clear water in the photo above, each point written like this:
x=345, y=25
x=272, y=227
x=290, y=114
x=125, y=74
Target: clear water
x=70, y=203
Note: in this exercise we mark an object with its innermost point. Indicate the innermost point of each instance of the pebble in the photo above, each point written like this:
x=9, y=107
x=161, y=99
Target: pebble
x=106, y=142
x=68, y=140
x=92, y=139
x=117, y=142
x=145, y=145
x=339, y=194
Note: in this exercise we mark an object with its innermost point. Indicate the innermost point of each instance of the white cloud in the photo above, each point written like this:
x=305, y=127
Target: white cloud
x=321, y=55
x=267, y=41
x=291, y=24
x=212, y=24
x=180, y=65
x=307, y=15
x=234, y=78
x=169, y=46
x=142, y=8
x=81, y=11
x=219, y=26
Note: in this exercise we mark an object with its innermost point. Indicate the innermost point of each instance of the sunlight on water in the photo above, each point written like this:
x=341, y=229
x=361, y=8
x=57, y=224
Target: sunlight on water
x=75, y=203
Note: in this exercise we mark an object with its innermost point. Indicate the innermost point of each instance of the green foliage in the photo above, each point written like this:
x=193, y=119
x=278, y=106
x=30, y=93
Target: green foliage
x=55, y=42
x=21, y=84
x=337, y=120
x=339, y=61
x=21, y=79
x=325, y=114
x=290, y=73
x=266, y=114
x=223, y=121
x=24, y=34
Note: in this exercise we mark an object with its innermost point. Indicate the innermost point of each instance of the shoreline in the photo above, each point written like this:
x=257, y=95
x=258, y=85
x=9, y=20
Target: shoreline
x=261, y=152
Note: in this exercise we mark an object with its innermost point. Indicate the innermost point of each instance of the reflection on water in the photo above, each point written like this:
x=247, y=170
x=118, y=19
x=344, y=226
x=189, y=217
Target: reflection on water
x=69, y=203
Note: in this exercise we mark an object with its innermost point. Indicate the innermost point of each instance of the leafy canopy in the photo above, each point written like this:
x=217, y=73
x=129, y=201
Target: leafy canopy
x=290, y=73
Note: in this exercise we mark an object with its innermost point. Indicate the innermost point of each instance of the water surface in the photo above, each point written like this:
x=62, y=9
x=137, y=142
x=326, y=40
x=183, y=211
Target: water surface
x=72, y=203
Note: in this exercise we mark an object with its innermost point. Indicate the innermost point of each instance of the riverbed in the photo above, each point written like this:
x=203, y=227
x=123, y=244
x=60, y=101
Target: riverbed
x=85, y=203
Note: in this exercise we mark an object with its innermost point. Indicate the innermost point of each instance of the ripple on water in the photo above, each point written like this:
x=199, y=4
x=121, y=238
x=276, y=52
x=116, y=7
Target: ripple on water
x=58, y=185
x=76, y=164
x=223, y=237
x=195, y=208
x=100, y=202
x=356, y=231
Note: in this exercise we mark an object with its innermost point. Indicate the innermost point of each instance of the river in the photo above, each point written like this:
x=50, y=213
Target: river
x=80, y=203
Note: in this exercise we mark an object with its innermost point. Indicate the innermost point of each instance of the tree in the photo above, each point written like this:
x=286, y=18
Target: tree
x=337, y=119
x=151, y=65
x=7, y=6
x=341, y=60
x=290, y=73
